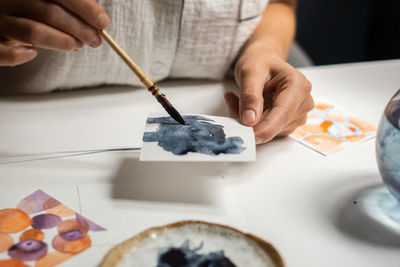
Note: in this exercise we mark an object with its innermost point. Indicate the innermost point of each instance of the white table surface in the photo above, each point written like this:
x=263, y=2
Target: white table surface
x=291, y=196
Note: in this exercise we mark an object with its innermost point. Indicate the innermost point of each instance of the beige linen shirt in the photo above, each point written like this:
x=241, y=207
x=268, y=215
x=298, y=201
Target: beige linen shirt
x=166, y=38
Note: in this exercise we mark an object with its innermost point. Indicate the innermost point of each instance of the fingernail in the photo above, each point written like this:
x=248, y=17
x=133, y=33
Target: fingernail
x=248, y=116
x=258, y=140
x=102, y=21
x=95, y=42
x=31, y=53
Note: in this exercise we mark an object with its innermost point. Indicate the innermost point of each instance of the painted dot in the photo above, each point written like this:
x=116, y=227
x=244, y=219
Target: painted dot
x=52, y=259
x=364, y=126
x=72, y=235
x=53, y=206
x=322, y=106
x=6, y=241
x=325, y=125
x=13, y=220
x=51, y=203
x=45, y=221
x=28, y=250
x=72, y=247
x=354, y=138
x=71, y=227
x=12, y=263
x=326, y=144
x=32, y=234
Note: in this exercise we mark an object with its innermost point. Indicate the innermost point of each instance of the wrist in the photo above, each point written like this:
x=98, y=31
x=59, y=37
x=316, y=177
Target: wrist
x=265, y=45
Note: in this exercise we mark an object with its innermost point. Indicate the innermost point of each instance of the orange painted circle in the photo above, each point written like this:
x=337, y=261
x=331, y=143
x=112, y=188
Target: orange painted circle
x=52, y=259
x=32, y=234
x=72, y=247
x=325, y=143
x=6, y=241
x=73, y=224
x=12, y=263
x=13, y=220
x=322, y=106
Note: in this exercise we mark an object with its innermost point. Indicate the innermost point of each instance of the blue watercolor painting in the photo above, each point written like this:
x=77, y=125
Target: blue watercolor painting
x=200, y=135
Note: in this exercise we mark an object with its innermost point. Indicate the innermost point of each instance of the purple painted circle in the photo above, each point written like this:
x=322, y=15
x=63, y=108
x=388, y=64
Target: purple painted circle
x=28, y=250
x=45, y=221
x=72, y=235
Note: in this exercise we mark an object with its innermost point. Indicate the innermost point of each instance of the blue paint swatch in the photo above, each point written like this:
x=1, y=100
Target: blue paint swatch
x=200, y=135
x=186, y=257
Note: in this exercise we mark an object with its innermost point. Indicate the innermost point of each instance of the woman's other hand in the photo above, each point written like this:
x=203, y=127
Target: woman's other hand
x=52, y=24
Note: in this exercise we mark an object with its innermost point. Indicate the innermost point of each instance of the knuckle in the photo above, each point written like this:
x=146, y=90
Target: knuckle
x=301, y=121
x=302, y=82
x=284, y=114
x=93, y=9
x=310, y=104
x=249, y=69
x=305, y=84
x=248, y=96
x=52, y=13
x=31, y=33
x=90, y=12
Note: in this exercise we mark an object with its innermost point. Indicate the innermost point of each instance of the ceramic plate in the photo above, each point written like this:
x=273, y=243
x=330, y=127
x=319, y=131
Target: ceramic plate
x=240, y=248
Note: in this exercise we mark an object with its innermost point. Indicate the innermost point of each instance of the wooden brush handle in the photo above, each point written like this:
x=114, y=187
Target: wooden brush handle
x=131, y=64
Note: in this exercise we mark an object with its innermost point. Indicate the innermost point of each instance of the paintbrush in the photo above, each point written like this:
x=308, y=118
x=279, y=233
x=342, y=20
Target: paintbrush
x=152, y=87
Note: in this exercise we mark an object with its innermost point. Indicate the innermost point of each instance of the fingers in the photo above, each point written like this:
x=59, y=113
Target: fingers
x=291, y=103
x=233, y=104
x=15, y=55
x=57, y=17
x=36, y=33
x=251, y=81
x=293, y=126
x=90, y=12
x=14, y=43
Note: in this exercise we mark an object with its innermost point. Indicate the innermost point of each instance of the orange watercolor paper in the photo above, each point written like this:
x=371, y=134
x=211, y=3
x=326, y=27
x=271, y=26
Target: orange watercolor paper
x=41, y=231
x=330, y=129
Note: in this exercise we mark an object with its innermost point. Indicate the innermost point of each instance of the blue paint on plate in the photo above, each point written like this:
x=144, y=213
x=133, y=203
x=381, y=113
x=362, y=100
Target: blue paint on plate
x=185, y=257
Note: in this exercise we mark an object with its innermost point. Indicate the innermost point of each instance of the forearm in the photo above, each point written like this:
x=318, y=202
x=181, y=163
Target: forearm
x=276, y=30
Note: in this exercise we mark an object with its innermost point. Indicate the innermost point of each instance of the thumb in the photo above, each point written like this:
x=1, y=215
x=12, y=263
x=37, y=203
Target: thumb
x=251, y=96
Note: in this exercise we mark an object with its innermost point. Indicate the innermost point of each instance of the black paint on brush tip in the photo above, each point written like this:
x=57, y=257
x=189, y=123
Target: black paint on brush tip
x=199, y=135
x=175, y=115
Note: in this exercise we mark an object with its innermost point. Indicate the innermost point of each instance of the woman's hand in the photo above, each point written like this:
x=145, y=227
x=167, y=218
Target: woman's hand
x=53, y=24
x=274, y=98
